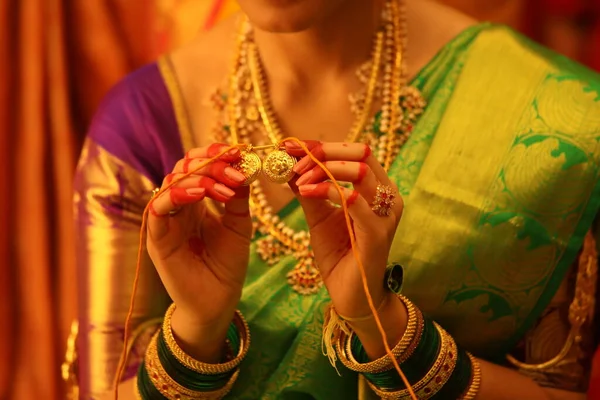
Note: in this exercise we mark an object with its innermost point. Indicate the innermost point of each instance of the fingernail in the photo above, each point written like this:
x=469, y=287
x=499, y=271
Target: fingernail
x=299, y=167
x=224, y=190
x=233, y=152
x=234, y=175
x=292, y=145
x=304, y=178
x=306, y=188
x=195, y=191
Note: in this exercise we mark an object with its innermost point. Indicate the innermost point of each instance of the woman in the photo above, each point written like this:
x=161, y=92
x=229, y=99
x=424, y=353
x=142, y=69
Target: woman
x=492, y=149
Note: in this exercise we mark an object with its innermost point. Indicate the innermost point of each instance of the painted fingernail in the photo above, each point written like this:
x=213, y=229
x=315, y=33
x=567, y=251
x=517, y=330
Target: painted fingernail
x=234, y=175
x=304, y=178
x=233, y=152
x=300, y=166
x=196, y=191
x=306, y=188
x=292, y=145
x=224, y=190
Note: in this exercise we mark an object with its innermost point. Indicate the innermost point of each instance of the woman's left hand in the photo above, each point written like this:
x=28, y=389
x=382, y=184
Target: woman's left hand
x=330, y=241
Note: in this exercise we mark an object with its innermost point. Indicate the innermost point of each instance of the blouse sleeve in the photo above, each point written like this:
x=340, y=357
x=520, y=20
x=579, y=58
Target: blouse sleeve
x=117, y=171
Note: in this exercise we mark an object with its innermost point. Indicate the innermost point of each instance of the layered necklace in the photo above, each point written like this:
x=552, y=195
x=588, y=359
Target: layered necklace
x=246, y=112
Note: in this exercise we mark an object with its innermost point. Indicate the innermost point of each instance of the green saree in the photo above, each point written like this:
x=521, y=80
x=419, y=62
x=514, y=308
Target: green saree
x=500, y=182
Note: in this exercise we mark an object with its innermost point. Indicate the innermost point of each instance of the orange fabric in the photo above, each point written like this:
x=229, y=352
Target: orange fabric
x=59, y=59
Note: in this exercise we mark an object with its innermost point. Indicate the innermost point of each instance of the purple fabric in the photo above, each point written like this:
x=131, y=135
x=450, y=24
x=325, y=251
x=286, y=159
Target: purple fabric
x=136, y=123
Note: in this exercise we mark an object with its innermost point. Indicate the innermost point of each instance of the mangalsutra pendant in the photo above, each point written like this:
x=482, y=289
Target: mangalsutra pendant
x=278, y=166
x=250, y=165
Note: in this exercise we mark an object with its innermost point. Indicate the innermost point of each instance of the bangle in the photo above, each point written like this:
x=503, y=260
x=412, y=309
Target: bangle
x=169, y=388
x=403, y=349
x=475, y=381
x=205, y=368
x=435, y=378
x=429, y=357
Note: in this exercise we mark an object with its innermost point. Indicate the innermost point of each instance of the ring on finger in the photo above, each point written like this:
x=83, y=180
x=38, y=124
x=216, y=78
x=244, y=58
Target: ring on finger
x=385, y=198
x=173, y=212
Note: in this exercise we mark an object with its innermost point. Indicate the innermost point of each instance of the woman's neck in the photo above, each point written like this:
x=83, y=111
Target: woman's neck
x=330, y=49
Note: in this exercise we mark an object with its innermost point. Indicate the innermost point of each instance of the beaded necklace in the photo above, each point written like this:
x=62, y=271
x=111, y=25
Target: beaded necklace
x=246, y=111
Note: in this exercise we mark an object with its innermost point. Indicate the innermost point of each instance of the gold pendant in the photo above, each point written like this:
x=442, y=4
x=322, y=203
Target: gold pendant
x=278, y=166
x=250, y=165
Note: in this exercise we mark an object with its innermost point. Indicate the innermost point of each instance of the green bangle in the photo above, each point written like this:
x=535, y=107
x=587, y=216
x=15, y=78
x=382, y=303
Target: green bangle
x=459, y=381
x=190, y=379
x=414, y=368
x=145, y=387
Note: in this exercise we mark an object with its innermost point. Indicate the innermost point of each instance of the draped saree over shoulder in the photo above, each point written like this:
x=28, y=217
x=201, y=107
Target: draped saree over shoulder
x=500, y=180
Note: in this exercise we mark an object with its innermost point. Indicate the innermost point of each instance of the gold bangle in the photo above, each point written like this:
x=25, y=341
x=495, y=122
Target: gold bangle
x=401, y=351
x=198, y=366
x=435, y=378
x=475, y=379
x=169, y=388
x=136, y=390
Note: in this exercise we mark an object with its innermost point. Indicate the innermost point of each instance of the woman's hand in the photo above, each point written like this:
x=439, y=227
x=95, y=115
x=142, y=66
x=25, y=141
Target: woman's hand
x=201, y=257
x=352, y=163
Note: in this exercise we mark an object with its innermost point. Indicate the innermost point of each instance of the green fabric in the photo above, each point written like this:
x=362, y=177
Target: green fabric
x=500, y=184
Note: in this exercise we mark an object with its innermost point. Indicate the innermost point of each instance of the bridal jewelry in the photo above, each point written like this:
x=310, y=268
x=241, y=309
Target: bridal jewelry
x=247, y=114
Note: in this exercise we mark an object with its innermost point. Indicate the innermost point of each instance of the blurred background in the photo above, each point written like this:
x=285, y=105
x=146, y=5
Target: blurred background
x=57, y=60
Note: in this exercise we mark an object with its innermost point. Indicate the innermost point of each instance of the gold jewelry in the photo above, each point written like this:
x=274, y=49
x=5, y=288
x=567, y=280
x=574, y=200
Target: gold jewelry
x=136, y=390
x=385, y=198
x=475, y=379
x=278, y=166
x=249, y=164
x=169, y=388
x=402, y=351
x=173, y=212
x=247, y=111
x=200, y=367
x=437, y=376
x=366, y=317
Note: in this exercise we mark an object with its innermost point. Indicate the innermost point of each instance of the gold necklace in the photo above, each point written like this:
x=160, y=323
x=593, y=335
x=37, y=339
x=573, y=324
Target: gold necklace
x=247, y=87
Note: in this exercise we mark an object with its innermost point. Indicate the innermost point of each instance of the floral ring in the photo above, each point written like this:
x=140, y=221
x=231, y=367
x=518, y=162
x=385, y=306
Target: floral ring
x=385, y=198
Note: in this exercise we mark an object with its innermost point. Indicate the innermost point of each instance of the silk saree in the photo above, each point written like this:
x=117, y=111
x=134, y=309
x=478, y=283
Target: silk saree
x=500, y=181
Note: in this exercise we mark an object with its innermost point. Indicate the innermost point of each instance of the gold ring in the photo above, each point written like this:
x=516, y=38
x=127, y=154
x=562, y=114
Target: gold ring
x=385, y=198
x=172, y=212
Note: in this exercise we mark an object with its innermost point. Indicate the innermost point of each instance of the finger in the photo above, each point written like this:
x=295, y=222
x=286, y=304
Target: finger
x=358, y=208
x=218, y=170
x=358, y=173
x=343, y=152
x=175, y=198
x=213, y=150
x=294, y=149
x=214, y=190
x=160, y=207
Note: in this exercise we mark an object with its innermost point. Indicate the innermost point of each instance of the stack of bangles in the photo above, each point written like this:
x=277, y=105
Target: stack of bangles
x=169, y=373
x=433, y=364
x=435, y=367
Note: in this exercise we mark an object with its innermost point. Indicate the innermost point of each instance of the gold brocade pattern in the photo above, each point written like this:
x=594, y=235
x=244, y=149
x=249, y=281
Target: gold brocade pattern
x=558, y=349
x=108, y=207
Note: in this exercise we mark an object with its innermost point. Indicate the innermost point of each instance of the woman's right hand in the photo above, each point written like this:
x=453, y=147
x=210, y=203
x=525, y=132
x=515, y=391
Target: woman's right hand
x=201, y=257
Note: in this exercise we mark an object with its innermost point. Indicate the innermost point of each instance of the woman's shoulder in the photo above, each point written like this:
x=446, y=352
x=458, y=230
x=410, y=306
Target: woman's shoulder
x=136, y=124
x=524, y=57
